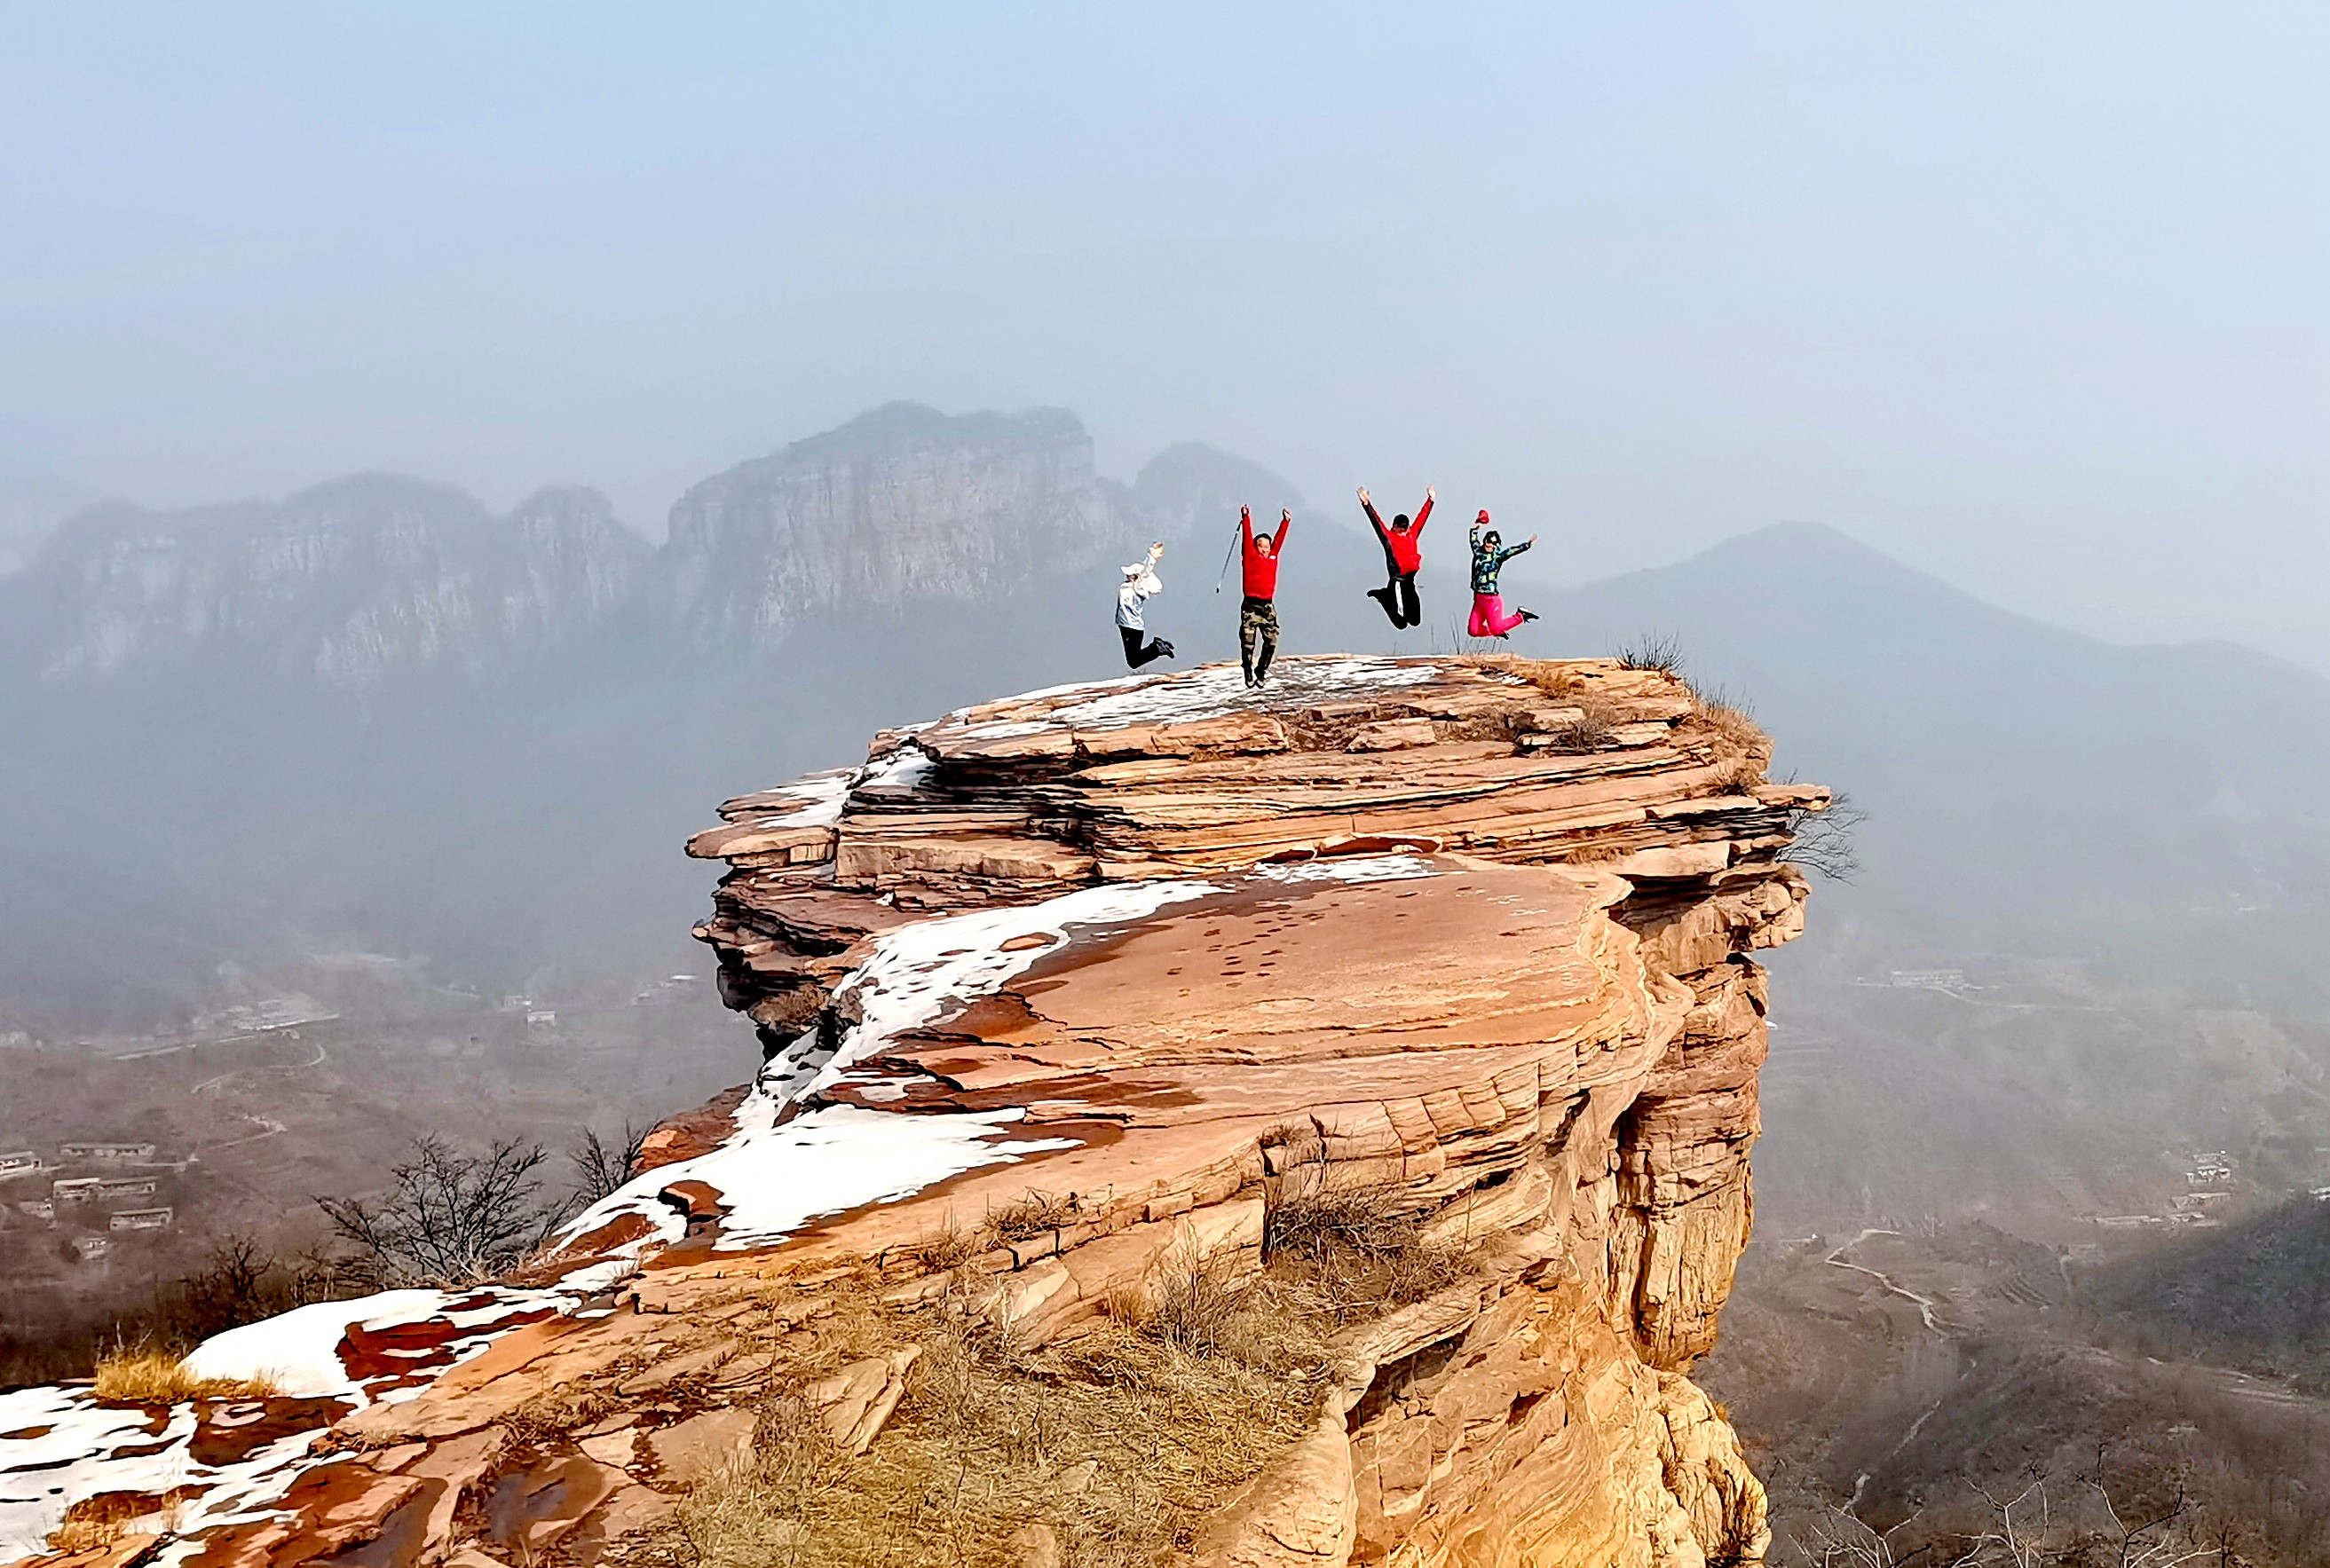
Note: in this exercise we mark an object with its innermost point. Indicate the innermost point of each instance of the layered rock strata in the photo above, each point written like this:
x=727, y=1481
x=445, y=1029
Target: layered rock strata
x=1153, y=960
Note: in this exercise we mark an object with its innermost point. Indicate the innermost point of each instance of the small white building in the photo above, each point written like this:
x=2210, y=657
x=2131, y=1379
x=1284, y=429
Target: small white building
x=140, y=1220
x=542, y=1019
x=92, y=1248
x=1951, y=980
x=107, y=1152
x=41, y=1209
x=122, y=1189
x=23, y=1163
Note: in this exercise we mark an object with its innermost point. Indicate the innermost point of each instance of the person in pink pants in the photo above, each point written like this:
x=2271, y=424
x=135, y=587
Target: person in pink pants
x=1489, y=616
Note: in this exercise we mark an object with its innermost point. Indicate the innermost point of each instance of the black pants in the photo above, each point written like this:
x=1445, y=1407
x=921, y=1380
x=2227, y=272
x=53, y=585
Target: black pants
x=1398, y=600
x=1257, y=637
x=1139, y=647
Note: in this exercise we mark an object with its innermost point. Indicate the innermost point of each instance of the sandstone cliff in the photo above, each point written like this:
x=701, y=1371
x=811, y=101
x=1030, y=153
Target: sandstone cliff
x=1074, y=1006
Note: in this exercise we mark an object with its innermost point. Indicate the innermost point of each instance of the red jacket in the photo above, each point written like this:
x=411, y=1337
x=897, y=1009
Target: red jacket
x=1261, y=571
x=1401, y=551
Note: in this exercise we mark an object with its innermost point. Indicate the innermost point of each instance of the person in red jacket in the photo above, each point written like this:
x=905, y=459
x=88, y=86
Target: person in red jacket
x=1258, y=614
x=1403, y=559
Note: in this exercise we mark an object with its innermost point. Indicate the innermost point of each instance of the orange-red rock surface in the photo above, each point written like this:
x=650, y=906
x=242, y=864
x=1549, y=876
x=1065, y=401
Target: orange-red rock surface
x=1473, y=931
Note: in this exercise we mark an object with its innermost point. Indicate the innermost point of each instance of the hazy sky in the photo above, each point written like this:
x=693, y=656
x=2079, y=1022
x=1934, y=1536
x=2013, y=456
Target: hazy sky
x=2032, y=295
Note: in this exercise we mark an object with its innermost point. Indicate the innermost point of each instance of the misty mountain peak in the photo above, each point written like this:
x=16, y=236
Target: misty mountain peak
x=345, y=579
x=1193, y=487
x=902, y=503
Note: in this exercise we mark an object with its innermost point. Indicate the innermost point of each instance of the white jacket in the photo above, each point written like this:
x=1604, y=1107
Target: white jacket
x=1140, y=581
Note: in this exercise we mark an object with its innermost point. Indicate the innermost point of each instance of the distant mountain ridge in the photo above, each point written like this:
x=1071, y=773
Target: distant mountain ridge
x=2013, y=771
x=365, y=576
x=346, y=578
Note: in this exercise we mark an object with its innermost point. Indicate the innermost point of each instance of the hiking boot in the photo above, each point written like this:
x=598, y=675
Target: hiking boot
x=1164, y=648
x=1528, y=614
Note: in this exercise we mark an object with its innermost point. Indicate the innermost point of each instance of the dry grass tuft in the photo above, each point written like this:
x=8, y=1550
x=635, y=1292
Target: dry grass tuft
x=75, y=1537
x=1588, y=733
x=1032, y=1214
x=147, y=1377
x=947, y=1246
x=1555, y=680
x=1343, y=1254
x=1117, y=1442
x=1731, y=727
x=555, y=1412
x=1657, y=651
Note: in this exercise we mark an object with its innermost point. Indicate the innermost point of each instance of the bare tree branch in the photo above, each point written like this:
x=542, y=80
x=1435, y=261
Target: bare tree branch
x=449, y=1219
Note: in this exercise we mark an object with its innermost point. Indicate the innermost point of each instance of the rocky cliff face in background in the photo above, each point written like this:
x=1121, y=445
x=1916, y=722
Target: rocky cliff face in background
x=900, y=504
x=374, y=573
x=1071, y=1003
x=349, y=579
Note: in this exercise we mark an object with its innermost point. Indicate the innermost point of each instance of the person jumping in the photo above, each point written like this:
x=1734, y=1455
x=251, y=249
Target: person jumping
x=1140, y=581
x=1489, y=557
x=1403, y=559
x=1258, y=614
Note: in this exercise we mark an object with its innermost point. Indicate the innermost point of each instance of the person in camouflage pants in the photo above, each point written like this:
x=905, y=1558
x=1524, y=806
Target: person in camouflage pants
x=1258, y=612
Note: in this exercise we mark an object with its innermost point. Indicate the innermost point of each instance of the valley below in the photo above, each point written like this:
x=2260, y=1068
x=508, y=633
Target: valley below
x=1967, y=1194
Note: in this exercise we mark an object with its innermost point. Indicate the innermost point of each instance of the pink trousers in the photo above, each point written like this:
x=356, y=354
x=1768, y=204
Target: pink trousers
x=1489, y=618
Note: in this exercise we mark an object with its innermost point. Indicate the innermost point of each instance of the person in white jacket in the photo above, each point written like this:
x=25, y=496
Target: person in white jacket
x=1140, y=581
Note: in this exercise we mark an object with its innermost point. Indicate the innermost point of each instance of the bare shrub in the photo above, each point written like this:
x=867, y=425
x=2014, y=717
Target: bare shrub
x=240, y=1280
x=1356, y=1250
x=1840, y=1541
x=1657, y=651
x=603, y=1164
x=1197, y=1305
x=1823, y=840
x=450, y=1219
x=1321, y=1222
x=2042, y=1524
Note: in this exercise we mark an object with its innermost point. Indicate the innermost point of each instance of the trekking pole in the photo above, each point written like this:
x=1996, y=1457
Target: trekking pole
x=1223, y=575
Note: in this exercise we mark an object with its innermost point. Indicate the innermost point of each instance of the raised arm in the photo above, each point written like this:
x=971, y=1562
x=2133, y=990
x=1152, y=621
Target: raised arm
x=1367, y=505
x=1246, y=531
x=1423, y=512
x=1285, y=521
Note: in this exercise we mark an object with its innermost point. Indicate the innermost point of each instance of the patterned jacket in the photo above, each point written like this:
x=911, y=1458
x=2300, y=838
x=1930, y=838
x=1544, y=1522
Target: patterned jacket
x=1488, y=563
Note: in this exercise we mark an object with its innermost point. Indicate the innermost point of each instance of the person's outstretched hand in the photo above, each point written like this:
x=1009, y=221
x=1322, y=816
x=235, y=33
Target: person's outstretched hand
x=1366, y=499
x=1285, y=516
x=1243, y=515
x=1428, y=492
x=1532, y=538
x=1156, y=550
